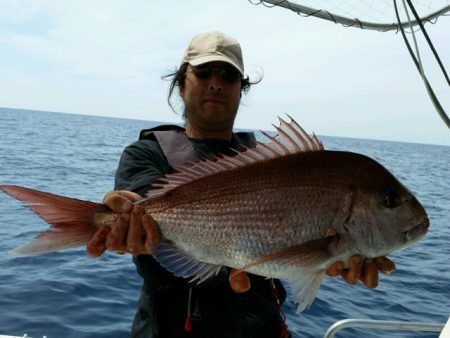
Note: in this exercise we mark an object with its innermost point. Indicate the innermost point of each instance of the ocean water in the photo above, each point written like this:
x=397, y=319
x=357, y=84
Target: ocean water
x=68, y=294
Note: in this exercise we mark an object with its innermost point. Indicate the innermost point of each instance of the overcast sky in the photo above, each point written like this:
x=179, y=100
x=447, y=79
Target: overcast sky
x=106, y=58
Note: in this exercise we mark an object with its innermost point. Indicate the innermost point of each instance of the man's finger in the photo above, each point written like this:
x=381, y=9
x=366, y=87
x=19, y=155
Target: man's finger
x=117, y=236
x=153, y=235
x=121, y=200
x=369, y=274
x=335, y=269
x=239, y=281
x=96, y=245
x=351, y=275
x=385, y=265
x=118, y=203
x=134, y=235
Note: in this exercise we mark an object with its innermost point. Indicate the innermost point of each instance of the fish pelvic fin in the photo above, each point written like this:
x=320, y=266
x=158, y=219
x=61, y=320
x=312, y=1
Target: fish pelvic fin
x=304, y=288
x=183, y=265
x=71, y=219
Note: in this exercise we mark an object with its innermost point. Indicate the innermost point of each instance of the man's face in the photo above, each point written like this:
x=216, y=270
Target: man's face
x=211, y=102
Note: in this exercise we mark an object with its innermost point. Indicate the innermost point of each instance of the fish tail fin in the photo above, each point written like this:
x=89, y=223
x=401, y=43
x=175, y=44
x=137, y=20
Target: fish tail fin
x=71, y=219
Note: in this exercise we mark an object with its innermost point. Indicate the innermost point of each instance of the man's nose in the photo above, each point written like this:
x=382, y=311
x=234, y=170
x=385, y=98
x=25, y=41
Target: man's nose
x=215, y=82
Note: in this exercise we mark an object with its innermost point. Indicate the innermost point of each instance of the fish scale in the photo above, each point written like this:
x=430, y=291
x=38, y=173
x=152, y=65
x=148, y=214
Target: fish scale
x=282, y=223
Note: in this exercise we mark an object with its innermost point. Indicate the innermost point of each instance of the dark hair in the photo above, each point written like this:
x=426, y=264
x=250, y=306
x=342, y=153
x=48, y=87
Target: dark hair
x=179, y=76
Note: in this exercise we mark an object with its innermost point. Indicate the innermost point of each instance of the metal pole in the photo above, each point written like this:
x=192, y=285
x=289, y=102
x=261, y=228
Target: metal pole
x=323, y=14
x=382, y=324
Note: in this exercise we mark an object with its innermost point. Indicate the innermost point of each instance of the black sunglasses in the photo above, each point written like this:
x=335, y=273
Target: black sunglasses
x=228, y=74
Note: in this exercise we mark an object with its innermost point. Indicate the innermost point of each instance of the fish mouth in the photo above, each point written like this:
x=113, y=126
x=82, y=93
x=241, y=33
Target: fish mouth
x=417, y=231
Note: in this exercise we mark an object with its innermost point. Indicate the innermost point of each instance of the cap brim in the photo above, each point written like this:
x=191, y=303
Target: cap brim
x=211, y=58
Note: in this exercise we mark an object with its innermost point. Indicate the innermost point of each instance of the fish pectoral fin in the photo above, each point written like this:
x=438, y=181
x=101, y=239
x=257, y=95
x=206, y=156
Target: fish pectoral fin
x=301, y=255
x=183, y=265
x=305, y=287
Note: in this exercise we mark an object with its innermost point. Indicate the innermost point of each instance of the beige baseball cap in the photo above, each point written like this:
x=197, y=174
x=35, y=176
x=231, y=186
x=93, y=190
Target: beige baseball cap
x=214, y=46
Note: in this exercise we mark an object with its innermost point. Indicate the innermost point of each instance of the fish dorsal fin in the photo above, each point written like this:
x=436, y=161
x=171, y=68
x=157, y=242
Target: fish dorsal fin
x=182, y=265
x=291, y=138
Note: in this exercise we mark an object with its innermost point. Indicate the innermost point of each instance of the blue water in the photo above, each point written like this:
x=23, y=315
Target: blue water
x=68, y=294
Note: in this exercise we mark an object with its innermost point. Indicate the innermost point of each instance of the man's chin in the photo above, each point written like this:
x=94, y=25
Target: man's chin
x=214, y=107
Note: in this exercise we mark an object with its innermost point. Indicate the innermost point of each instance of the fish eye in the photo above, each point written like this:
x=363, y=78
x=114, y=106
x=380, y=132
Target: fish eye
x=391, y=199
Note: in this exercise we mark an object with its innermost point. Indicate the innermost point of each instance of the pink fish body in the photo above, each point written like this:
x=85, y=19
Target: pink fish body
x=286, y=209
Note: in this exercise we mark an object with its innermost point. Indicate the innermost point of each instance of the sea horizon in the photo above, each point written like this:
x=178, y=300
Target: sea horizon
x=240, y=129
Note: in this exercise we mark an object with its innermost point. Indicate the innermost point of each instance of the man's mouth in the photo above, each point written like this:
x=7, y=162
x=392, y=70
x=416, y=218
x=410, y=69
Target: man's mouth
x=215, y=99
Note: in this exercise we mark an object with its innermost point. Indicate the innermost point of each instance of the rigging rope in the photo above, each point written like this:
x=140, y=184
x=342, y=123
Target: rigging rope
x=347, y=21
x=416, y=16
x=419, y=66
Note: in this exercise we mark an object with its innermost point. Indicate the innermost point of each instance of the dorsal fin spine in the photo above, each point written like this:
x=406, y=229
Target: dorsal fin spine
x=318, y=143
x=209, y=169
x=185, y=171
x=269, y=149
x=280, y=151
x=294, y=131
x=248, y=157
x=288, y=138
x=222, y=165
x=236, y=160
x=304, y=137
x=203, y=169
x=280, y=144
x=190, y=171
x=258, y=155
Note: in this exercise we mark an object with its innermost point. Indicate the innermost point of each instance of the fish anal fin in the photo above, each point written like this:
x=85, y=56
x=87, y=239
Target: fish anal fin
x=182, y=265
x=304, y=288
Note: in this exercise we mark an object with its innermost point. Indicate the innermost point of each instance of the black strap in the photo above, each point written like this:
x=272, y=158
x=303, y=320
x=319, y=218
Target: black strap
x=176, y=147
x=147, y=133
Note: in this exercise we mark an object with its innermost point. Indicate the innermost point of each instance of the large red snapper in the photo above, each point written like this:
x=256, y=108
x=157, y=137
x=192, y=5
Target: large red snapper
x=286, y=209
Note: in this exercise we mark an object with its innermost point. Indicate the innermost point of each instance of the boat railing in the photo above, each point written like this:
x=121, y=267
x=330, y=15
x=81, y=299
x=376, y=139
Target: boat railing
x=388, y=325
x=444, y=329
x=24, y=336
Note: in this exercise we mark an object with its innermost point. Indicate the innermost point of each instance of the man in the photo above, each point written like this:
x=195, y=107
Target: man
x=210, y=81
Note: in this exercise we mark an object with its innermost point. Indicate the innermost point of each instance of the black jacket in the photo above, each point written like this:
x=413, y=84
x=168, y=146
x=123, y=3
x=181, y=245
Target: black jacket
x=216, y=310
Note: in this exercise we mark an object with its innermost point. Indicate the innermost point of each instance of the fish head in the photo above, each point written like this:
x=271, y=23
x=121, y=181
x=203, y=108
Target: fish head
x=385, y=216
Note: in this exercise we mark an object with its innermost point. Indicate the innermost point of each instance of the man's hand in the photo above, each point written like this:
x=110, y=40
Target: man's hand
x=133, y=232
x=364, y=270
x=239, y=281
x=358, y=269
